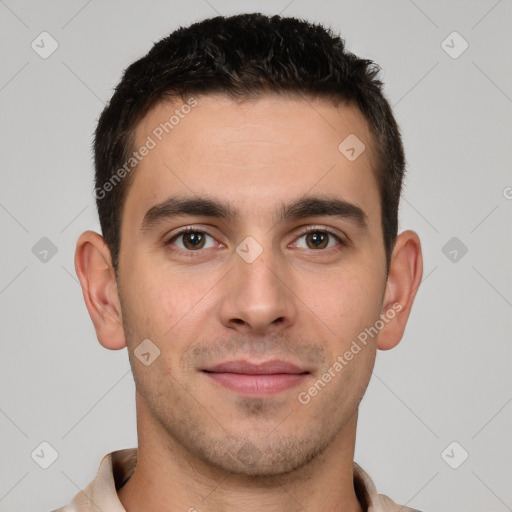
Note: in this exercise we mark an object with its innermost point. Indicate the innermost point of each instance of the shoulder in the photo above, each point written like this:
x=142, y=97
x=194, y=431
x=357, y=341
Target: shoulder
x=385, y=504
x=368, y=496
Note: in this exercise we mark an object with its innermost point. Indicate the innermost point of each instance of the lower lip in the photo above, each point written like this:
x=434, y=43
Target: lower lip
x=257, y=384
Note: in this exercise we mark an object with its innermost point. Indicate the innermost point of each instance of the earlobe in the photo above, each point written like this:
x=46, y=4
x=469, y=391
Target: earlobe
x=404, y=278
x=99, y=288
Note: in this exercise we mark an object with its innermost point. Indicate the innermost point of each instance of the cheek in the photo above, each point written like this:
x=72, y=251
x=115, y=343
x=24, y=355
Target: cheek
x=155, y=298
x=148, y=308
x=168, y=308
x=347, y=300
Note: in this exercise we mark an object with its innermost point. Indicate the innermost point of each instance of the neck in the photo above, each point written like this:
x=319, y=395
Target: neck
x=169, y=478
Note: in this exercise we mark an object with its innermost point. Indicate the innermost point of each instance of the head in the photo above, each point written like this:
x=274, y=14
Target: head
x=243, y=57
x=276, y=149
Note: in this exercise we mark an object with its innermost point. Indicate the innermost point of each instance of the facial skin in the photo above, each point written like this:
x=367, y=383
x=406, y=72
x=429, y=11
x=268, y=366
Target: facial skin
x=294, y=303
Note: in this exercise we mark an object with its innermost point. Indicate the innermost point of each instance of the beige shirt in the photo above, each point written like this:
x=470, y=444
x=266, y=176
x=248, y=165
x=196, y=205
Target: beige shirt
x=117, y=467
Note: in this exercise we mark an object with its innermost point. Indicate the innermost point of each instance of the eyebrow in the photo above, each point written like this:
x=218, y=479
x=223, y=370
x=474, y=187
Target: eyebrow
x=177, y=206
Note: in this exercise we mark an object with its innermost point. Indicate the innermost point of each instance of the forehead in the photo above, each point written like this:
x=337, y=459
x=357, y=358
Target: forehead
x=253, y=152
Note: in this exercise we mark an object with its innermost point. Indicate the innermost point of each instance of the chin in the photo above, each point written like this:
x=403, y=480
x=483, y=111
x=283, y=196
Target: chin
x=261, y=459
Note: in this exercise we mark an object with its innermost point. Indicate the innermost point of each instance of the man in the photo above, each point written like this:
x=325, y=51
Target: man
x=248, y=175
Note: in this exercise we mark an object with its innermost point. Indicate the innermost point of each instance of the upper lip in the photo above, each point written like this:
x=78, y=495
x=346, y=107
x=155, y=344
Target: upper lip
x=264, y=368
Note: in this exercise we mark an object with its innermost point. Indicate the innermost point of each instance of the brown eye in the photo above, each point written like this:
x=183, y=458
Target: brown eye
x=192, y=240
x=317, y=240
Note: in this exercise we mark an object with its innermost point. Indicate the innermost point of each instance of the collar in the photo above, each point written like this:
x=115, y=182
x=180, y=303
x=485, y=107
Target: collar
x=117, y=467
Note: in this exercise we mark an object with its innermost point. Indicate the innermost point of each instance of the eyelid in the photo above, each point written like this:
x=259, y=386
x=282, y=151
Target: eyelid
x=341, y=238
x=168, y=239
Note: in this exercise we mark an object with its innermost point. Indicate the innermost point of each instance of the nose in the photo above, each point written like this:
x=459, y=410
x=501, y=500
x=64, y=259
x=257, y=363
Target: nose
x=258, y=296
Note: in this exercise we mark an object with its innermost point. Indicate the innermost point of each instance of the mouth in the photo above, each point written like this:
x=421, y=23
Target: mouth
x=257, y=379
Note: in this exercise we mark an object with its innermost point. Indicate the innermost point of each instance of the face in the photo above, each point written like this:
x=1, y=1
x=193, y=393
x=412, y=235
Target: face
x=280, y=269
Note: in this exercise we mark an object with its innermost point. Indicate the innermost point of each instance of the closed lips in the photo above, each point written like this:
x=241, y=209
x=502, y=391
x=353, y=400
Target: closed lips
x=265, y=368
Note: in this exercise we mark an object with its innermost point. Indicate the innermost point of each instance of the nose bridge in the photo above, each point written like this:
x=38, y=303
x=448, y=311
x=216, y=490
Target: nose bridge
x=258, y=296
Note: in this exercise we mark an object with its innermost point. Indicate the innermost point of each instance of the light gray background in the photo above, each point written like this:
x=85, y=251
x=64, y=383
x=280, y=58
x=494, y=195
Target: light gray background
x=450, y=378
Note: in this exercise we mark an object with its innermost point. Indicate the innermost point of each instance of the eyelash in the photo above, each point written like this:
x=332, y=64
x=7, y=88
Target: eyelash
x=305, y=232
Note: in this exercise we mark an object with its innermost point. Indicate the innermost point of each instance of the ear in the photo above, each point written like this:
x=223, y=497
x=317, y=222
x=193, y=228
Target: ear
x=97, y=277
x=404, y=278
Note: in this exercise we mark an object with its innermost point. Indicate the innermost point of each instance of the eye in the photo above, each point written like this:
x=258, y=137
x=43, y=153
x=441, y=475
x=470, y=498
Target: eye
x=316, y=239
x=193, y=240
x=190, y=239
